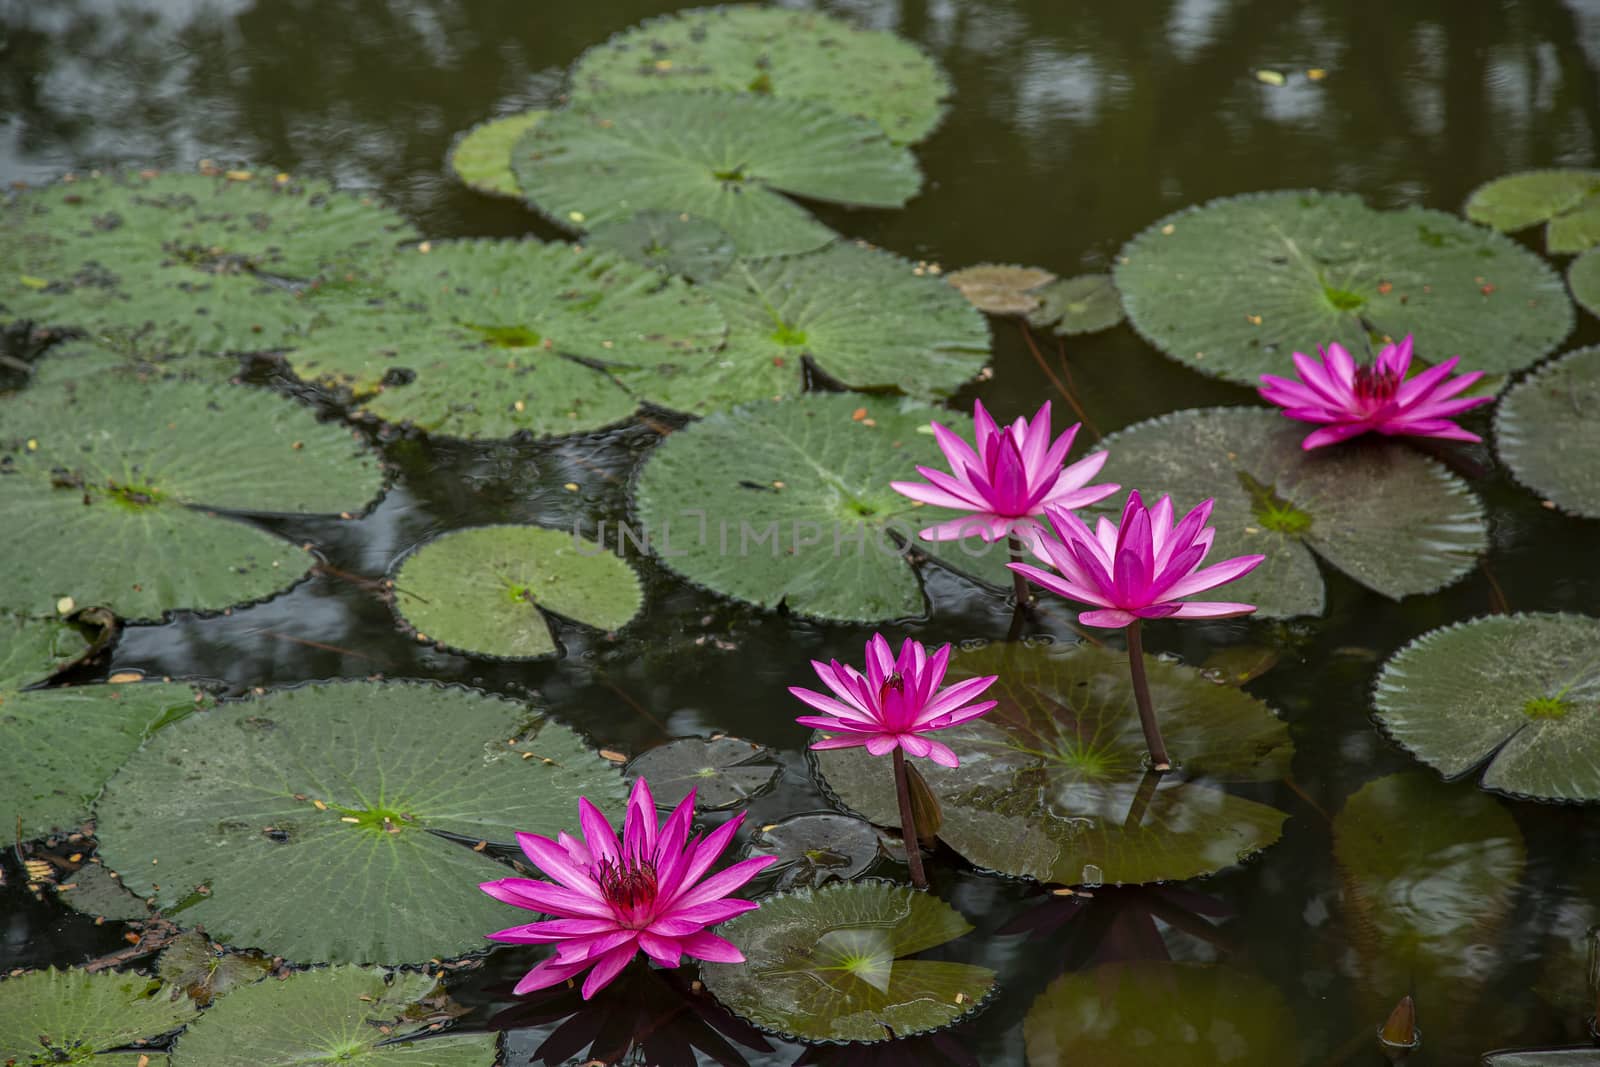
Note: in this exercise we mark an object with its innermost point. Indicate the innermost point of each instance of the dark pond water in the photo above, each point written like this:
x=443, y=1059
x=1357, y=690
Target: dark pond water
x=1075, y=123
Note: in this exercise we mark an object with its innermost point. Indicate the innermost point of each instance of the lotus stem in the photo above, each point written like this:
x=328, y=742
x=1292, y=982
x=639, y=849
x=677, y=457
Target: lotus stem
x=908, y=822
x=1018, y=582
x=1159, y=760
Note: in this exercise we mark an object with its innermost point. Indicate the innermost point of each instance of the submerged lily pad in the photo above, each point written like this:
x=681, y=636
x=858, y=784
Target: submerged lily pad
x=182, y=262
x=481, y=157
x=1566, y=199
x=30, y=649
x=1548, y=431
x=1053, y=782
x=1087, y=303
x=865, y=318
x=1521, y=692
x=668, y=241
x=94, y=890
x=479, y=338
x=1571, y=1056
x=724, y=771
x=111, y=486
x=1394, y=520
x=817, y=848
x=69, y=1016
x=62, y=745
x=1000, y=289
x=339, y=1015
x=771, y=51
x=485, y=590
x=1196, y=1014
x=305, y=816
x=718, y=156
x=789, y=504
x=831, y=964
x=1233, y=287
x=1583, y=277
x=203, y=973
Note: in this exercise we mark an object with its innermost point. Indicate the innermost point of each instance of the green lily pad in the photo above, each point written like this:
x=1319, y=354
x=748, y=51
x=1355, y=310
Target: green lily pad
x=817, y=848
x=203, y=973
x=182, y=262
x=718, y=156
x=1548, y=431
x=1571, y=1056
x=1087, y=303
x=62, y=745
x=832, y=964
x=1521, y=692
x=338, y=1015
x=69, y=1016
x=789, y=504
x=1583, y=278
x=485, y=590
x=667, y=241
x=1053, y=785
x=111, y=486
x=1000, y=289
x=95, y=890
x=1394, y=520
x=867, y=319
x=481, y=157
x=480, y=338
x=31, y=649
x=306, y=814
x=1197, y=1014
x=1234, y=287
x=1563, y=198
x=771, y=51
x=725, y=772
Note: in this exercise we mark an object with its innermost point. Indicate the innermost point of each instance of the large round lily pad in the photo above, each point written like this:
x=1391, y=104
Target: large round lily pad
x=772, y=51
x=1548, y=431
x=62, y=745
x=789, y=504
x=1565, y=199
x=1233, y=287
x=1394, y=520
x=1521, y=692
x=1053, y=782
x=486, y=589
x=867, y=319
x=182, y=262
x=1583, y=278
x=338, y=1015
x=481, y=157
x=68, y=1016
x=724, y=772
x=1196, y=1014
x=109, y=488
x=720, y=156
x=299, y=822
x=832, y=964
x=480, y=338
x=31, y=648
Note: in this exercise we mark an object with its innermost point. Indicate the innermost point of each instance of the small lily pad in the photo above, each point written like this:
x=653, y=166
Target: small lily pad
x=1583, y=278
x=1053, y=783
x=1394, y=520
x=719, y=156
x=94, y=890
x=817, y=848
x=772, y=51
x=1087, y=303
x=257, y=822
x=203, y=973
x=725, y=772
x=339, y=1015
x=1000, y=289
x=1234, y=287
x=30, y=649
x=1520, y=692
x=486, y=590
x=673, y=242
x=832, y=964
x=1548, y=431
x=1566, y=199
x=113, y=488
x=69, y=1016
x=481, y=157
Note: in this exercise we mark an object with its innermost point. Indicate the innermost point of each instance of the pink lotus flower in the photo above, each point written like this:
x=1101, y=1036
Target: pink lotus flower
x=611, y=899
x=1141, y=568
x=1356, y=399
x=1010, y=479
x=895, y=703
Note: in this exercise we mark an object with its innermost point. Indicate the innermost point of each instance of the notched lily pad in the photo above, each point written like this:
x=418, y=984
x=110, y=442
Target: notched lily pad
x=95, y=890
x=1000, y=289
x=69, y=1016
x=204, y=973
x=817, y=848
x=674, y=242
x=256, y=822
x=1565, y=199
x=486, y=590
x=1234, y=287
x=1395, y=521
x=724, y=771
x=1547, y=429
x=481, y=157
x=1520, y=692
x=1086, y=303
x=1053, y=782
x=31, y=649
x=832, y=964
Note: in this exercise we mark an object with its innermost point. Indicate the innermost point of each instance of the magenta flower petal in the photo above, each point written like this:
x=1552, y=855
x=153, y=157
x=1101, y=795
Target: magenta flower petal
x=711, y=948
x=1211, y=609
x=546, y=974
x=606, y=968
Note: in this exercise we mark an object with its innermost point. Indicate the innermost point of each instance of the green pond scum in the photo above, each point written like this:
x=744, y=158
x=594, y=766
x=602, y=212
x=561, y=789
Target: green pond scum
x=444, y=442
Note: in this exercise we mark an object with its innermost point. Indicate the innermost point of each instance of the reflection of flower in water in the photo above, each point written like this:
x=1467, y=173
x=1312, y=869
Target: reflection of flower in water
x=930, y=1050
x=1118, y=924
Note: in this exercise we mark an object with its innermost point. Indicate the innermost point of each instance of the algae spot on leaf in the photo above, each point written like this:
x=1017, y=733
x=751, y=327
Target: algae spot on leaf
x=724, y=772
x=1547, y=430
